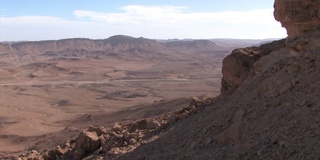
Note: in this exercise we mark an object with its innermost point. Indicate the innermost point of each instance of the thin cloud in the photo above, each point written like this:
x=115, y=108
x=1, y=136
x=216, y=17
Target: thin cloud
x=36, y=20
x=135, y=14
x=176, y=15
x=147, y=21
x=39, y=21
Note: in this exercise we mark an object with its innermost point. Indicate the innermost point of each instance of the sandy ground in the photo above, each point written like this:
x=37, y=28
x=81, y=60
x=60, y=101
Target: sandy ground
x=41, y=96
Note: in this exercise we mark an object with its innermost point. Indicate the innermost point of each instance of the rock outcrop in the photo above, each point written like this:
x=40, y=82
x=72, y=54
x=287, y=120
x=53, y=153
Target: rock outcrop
x=301, y=18
x=238, y=66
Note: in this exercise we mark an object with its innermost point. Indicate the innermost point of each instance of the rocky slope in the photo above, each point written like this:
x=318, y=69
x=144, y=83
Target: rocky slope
x=272, y=115
x=272, y=107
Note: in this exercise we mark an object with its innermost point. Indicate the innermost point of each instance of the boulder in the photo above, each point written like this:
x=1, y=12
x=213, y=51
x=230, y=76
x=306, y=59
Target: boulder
x=144, y=124
x=56, y=152
x=99, y=130
x=87, y=142
x=117, y=128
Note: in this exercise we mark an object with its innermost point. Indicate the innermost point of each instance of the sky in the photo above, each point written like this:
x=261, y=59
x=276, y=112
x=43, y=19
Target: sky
x=155, y=19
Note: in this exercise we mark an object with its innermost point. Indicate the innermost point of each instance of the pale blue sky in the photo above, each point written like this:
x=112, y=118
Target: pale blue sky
x=157, y=19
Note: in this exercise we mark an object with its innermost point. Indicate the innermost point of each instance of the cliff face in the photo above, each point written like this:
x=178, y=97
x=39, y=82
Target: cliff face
x=301, y=18
x=238, y=66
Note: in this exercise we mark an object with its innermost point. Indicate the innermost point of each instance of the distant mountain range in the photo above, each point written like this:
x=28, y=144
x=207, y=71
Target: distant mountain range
x=122, y=45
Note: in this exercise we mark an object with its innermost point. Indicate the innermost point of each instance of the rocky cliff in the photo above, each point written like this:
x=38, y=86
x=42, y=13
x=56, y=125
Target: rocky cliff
x=238, y=66
x=301, y=18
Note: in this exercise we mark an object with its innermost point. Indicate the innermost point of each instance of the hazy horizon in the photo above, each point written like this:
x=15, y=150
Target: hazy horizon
x=38, y=20
x=168, y=39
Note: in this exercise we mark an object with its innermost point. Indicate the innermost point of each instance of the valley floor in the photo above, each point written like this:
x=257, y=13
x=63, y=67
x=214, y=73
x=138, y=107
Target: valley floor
x=41, y=96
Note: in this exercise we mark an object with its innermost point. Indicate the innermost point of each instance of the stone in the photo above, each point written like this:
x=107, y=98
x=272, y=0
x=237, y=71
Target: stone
x=145, y=124
x=110, y=143
x=191, y=108
x=127, y=136
x=152, y=124
x=172, y=119
x=98, y=150
x=102, y=140
x=107, y=137
x=67, y=143
x=99, y=130
x=57, y=152
x=132, y=141
x=183, y=115
x=87, y=142
x=78, y=154
x=32, y=155
x=117, y=128
x=195, y=101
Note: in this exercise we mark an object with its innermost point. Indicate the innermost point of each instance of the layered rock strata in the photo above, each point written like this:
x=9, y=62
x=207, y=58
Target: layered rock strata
x=237, y=66
x=301, y=18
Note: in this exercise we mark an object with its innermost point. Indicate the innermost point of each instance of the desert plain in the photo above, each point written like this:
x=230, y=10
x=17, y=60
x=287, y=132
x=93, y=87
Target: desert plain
x=50, y=90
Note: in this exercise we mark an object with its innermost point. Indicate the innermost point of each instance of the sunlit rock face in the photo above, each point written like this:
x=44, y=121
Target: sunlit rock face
x=301, y=18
